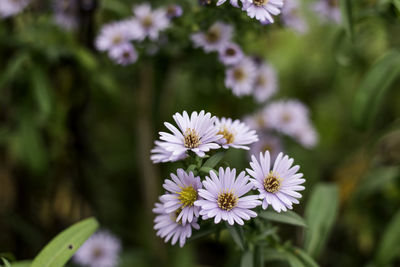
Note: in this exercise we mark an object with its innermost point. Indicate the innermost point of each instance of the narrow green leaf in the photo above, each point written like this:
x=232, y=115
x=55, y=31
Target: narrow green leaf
x=258, y=256
x=64, y=245
x=271, y=254
x=214, y=160
x=191, y=168
x=389, y=247
x=293, y=260
x=373, y=88
x=247, y=259
x=42, y=90
x=14, y=68
x=26, y=263
x=288, y=217
x=237, y=235
x=307, y=259
x=320, y=214
x=5, y=262
x=347, y=16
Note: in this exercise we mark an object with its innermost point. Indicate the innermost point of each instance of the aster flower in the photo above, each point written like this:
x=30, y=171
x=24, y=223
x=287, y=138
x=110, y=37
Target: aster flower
x=292, y=18
x=168, y=228
x=123, y=54
x=215, y=38
x=230, y=54
x=182, y=194
x=278, y=186
x=160, y=154
x=223, y=197
x=113, y=35
x=174, y=11
x=233, y=2
x=235, y=133
x=10, y=8
x=306, y=135
x=266, y=83
x=328, y=10
x=241, y=77
x=267, y=142
x=100, y=250
x=263, y=10
x=196, y=134
x=152, y=22
x=257, y=121
x=65, y=13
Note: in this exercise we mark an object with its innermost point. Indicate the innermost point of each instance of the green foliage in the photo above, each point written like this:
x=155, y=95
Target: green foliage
x=320, y=215
x=64, y=245
x=347, y=14
x=389, y=246
x=237, y=235
x=288, y=217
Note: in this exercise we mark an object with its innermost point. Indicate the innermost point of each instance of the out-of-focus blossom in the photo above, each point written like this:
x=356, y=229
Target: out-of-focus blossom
x=263, y=10
x=266, y=83
x=267, y=142
x=328, y=10
x=217, y=37
x=235, y=133
x=278, y=185
x=292, y=17
x=124, y=54
x=152, y=22
x=233, y=2
x=10, y=8
x=100, y=250
x=160, y=154
x=306, y=135
x=241, y=77
x=231, y=54
x=66, y=13
x=174, y=11
x=113, y=35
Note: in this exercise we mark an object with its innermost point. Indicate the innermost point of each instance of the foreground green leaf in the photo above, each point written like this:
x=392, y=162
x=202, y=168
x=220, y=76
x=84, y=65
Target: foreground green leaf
x=288, y=217
x=214, y=160
x=237, y=235
x=389, y=247
x=64, y=245
x=247, y=259
x=26, y=263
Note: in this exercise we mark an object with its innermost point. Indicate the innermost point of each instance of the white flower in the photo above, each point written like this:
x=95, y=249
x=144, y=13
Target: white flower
x=231, y=54
x=113, y=35
x=197, y=134
x=66, y=13
x=328, y=10
x=241, y=77
x=10, y=8
x=215, y=38
x=263, y=9
x=100, y=250
x=278, y=186
x=123, y=54
x=233, y=2
x=168, y=228
x=160, y=154
x=292, y=17
x=182, y=193
x=235, y=133
x=152, y=22
x=267, y=142
x=266, y=83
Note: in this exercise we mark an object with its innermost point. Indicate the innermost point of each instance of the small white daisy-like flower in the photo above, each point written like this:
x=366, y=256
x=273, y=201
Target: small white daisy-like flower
x=10, y=8
x=231, y=54
x=152, y=22
x=286, y=116
x=291, y=16
x=266, y=83
x=235, y=133
x=174, y=11
x=278, y=185
x=124, y=54
x=241, y=77
x=183, y=192
x=113, y=35
x=267, y=142
x=223, y=197
x=215, y=38
x=233, y=2
x=328, y=10
x=100, y=250
x=263, y=10
x=168, y=228
x=160, y=154
x=196, y=133
x=66, y=13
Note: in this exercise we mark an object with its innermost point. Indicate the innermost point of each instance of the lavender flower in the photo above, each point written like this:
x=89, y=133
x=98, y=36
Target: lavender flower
x=65, y=13
x=267, y=142
x=124, y=54
x=217, y=37
x=235, y=134
x=241, y=77
x=231, y=54
x=328, y=10
x=266, y=83
x=152, y=22
x=263, y=10
x=9, y=8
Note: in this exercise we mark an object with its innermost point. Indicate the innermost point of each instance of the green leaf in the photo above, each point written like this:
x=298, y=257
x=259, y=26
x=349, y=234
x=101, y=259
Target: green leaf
x=307, y=259
x=237, y=235
x=293, y=260
x=64, y=245
x=288, y=217
x=347, y=16
x=389, y=247
x=396, y=3
x=247, y=259
x=5, y=262
x=42, y=90
x=26, y=263
x=214, y=160
x=191, y=168
x=320, y=214
x=14, y=68
x=373, y=88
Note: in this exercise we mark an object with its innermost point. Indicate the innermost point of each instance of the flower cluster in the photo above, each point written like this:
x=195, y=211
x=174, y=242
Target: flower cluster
x=223, y=194
x=116, y=37
x=244, y=75
x=262, y=10
x=328, y=10
x=9, y=8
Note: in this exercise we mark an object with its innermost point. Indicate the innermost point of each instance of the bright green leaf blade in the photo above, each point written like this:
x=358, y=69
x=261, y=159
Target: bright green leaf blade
x=5, y=262
x=347, y=17
x=389, y=247
x=214, y=160
x=22, y=264
x=320, y=214
x=373, y=88
x=64, y=245
x=307, y=259
x=247, y=259
x=293, y=260
x=288, y=217
x=237, y=235
x=396, y=3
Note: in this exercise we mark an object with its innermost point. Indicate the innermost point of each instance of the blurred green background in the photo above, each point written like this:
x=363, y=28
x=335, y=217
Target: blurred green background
x=76, y=130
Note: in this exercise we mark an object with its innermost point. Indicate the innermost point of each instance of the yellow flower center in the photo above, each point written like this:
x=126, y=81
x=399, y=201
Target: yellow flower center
x=97, y=252
x=286, y=117
x=260, y=2
x=261, y=80
x=272, y=183
x=227, y=201
x=229, y=137
x=117, y=39
x=147, y=21
x=213, y=35
x=187, y=196
x=239, y=74
x=191, y=138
